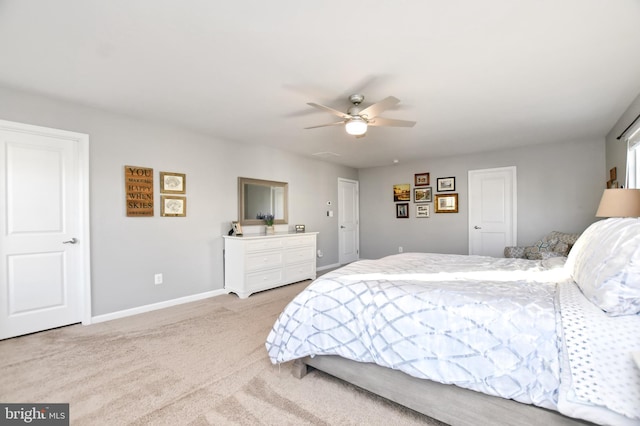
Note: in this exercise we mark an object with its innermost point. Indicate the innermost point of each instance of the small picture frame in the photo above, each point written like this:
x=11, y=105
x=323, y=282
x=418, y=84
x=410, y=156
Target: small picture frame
x=422, y=195
x=446, y=184
x=421, y=179
x=423, y=210
x=173, y=183
x=447, y=203
x=237, y=228
x=299, y=228
x=402, y=192
x=171, y=206
x=613, y=173
x=402, y=210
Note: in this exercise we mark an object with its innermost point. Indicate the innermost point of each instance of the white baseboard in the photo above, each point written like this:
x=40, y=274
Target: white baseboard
x=322, y=268
x=155, y=306
x=168, y=303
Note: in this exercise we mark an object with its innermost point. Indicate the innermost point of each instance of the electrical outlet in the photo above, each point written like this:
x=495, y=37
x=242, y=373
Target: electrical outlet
x=400, y=249
x=157, y=279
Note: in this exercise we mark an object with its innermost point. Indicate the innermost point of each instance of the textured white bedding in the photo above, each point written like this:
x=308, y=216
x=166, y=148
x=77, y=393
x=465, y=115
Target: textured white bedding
x=481, y=323
x=514, y=328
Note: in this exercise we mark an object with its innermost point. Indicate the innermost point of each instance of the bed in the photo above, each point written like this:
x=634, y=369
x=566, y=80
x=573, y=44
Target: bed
x=513, y=341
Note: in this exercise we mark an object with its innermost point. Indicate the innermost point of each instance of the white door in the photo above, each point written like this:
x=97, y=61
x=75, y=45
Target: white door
x=44, y=266
x=348, y=231
x=492, y=211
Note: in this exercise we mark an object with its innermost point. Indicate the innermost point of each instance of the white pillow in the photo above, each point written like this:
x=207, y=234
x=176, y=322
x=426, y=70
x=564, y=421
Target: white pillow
x=605, y=263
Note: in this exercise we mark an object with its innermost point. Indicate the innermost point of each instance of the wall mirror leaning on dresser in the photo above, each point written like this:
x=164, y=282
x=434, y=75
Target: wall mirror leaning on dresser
x=256, y=196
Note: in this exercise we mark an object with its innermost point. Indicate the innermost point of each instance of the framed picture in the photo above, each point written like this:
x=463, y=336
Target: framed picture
x=446, y=203
x=422, y=195
x=173, y=183
x=421, y=179
x=237, y=228
x=173, y=206
x=138, y=184
x=402, y=192
x=299, y=228
x=422, y=210
x=446, y=184
x=402, y=210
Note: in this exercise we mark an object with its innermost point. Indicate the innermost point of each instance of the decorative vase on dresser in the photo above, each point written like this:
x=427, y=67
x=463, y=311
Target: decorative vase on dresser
x=254, y=263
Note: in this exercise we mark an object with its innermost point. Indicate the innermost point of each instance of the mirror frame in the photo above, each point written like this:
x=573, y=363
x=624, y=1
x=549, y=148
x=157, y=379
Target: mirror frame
x=242, y=181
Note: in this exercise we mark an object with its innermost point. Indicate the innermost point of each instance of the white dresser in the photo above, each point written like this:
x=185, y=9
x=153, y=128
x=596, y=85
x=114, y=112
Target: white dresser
x=254, y=263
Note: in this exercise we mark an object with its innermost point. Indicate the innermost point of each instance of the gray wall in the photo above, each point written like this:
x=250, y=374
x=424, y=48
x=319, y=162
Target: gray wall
x=127, y=252
x=559, y=187
x=617, y=148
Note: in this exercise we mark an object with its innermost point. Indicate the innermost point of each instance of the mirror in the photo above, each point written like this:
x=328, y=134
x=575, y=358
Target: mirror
x=257, y=196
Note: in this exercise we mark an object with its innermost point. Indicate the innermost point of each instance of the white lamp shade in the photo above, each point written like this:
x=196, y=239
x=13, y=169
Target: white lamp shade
x=619, y=203
x=356, y=126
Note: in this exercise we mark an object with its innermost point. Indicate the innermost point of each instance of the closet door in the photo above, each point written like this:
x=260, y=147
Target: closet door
x=43, y=241
x=348, y=218
x=492, y=211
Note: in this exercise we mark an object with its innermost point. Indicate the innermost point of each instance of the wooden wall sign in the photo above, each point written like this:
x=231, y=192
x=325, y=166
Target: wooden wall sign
x=138, y=183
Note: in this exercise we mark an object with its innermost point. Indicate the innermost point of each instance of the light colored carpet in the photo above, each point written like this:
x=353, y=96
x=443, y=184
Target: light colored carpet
x=194, y=364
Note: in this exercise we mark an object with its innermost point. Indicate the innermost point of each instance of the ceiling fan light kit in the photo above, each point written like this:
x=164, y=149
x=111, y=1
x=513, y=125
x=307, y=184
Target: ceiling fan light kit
x=357, y=121
x=356, y=126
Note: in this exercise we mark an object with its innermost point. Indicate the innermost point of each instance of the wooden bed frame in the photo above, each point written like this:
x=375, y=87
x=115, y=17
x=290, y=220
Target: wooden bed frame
x=448, y=403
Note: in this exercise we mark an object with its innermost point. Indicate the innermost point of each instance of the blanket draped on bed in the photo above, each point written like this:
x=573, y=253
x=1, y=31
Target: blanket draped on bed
x=480, y=323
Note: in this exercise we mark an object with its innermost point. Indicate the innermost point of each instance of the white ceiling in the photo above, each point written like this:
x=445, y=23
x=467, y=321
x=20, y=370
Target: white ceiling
x=475, y=75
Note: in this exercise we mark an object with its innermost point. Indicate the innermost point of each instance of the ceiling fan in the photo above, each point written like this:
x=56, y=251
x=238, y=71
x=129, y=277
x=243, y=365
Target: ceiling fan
x=356, y=120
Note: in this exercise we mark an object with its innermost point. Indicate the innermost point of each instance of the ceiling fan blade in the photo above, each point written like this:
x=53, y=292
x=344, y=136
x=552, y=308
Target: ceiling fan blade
x=338, y=123
x=381, y=121
x=331, y=110
x=372, y=111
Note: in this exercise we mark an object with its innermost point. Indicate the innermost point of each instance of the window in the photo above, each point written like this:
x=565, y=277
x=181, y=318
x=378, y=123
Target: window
x=633, y=159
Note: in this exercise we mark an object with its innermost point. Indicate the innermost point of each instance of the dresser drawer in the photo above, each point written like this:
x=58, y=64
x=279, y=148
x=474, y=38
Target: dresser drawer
x=264, y=244
x=264, y=260
x=302, y=240
x=302, y=254
x=299, y=272
x=265, y=279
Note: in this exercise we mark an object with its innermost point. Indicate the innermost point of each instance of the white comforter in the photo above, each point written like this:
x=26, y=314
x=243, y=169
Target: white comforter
x=481, y=323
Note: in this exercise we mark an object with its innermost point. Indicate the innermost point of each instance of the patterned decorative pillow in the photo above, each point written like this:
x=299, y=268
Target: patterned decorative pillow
x=544, y=255
x=566, y=241
x=605, y=263
x=541, y=246
x=562, y=249
x=515, y=252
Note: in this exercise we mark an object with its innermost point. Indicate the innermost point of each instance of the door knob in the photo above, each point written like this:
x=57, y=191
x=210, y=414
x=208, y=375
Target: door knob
x=342, y=226
x=477, y=227
x=71, y=241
